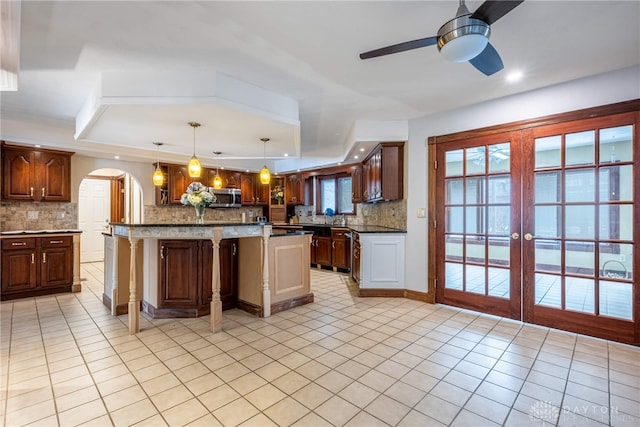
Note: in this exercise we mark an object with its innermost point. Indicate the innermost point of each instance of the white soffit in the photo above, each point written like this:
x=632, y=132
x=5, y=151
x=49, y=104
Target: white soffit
x=9, y=45
x=133, y=109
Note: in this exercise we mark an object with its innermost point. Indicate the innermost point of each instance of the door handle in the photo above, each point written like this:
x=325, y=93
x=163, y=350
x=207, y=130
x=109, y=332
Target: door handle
x=161, y=252
x=234, y=248
x=528, y=236
x=515, y=236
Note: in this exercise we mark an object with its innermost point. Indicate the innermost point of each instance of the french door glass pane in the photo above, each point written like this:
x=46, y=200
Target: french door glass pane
x=475, y=219
x=455, y=192
x=547, y=221
x=475, y=280
x=579, y=294
x=579, y=185
x=616, y=144
x=453, y=165
x=547, y=187
x=499, y=251
x=548, y=151
x=579, y=148
x=616, y=260
x=453, y=247
x=453, y=276
x=616, y=222
x=548, y=256
x=579, y=222
x=476, y=160
x=499, y=282
x=475, y=249
x=499, y=157
x=579, y=258
x=616, y=183
x=499, y=189
x=548, y=290
x=616, y=299
x=475, y=190
x=499, y=220
x=454, y=219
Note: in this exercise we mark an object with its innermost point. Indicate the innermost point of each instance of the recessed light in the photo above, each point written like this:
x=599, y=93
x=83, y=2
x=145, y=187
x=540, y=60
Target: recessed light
x=514, y=76
x=356, y=157
x=117, y=157
x=297, y=170
x=38, y=146
x=362, y=149
x=286, y=154
x=339, y=163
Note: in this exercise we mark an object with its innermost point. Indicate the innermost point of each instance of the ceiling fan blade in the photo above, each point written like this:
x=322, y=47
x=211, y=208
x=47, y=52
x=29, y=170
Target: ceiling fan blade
x=488, y=62
x=490, y=11
x=400, y=47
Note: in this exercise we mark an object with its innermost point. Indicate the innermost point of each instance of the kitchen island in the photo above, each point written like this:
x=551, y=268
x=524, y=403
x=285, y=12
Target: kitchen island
x=273, y=270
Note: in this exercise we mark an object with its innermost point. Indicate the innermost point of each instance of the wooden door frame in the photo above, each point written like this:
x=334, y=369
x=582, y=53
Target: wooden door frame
x=433, y=141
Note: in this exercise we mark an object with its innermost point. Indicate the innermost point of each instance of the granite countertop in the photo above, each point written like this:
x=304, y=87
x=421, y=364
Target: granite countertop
x=191, y=224
x=357, y=228
x=31, y=232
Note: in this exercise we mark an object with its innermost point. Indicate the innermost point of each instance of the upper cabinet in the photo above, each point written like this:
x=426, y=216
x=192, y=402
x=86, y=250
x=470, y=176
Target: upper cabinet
x=382, y=173
x=356, y=184
x=36, y=175
x=253, y=192
x=294, y=189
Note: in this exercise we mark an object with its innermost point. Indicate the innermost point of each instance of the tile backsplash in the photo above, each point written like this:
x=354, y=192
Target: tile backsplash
x=386, y=214
x=38, y=216
x=186, y=214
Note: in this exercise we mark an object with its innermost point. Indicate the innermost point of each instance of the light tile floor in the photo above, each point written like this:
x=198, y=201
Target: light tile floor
x=342, y=360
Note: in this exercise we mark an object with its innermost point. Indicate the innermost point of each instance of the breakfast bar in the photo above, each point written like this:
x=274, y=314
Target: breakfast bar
x=215, y=232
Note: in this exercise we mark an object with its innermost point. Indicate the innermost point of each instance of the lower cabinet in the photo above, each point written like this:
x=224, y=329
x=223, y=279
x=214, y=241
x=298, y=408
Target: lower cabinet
x=185, y=275
x=34, y=266
x=330, y=247
x=323, y=250
x=340, y=248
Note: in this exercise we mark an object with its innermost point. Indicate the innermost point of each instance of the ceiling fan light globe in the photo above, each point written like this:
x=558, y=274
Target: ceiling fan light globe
x=464, y=48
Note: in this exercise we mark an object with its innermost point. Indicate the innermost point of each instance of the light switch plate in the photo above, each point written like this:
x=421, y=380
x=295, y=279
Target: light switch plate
x=422, y=212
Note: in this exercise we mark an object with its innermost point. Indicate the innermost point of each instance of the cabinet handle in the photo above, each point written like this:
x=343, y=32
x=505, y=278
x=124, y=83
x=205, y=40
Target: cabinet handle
x=31, y=191
x=234, y=248
x=333, y=244
x=161, y=252
x=18, y=244
x=55, y=241
x=42, y=191
x=44, y=257
x=33, y=258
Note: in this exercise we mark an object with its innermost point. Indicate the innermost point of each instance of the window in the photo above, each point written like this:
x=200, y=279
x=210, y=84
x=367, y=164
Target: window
x=334, y=192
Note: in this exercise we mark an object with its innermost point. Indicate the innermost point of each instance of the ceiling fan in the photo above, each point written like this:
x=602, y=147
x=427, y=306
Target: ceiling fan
x=464, y=38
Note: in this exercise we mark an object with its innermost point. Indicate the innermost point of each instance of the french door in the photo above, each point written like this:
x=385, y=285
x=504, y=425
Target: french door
x=542, y=224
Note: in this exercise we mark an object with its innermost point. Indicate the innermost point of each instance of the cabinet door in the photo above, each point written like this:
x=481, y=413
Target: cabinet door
x=232, y=179
x=179, y=180
x=19, y=270
x=228, y=272
x=247, y=188
x=178, y=275
x=356, y=184
x=54, y=171
x=340, y=245
x=295, y=189
x=262, y=192
x=56, y=266
x=18, y=174
x=323, y=250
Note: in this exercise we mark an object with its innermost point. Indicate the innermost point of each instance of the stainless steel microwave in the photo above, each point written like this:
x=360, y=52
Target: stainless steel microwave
x=226, y=197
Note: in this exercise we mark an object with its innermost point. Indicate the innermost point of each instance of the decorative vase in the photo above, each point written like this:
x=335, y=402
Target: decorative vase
x=199, y=214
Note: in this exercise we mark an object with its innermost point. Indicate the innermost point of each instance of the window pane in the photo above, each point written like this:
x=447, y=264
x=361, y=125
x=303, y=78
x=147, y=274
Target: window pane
x=616, y=261
x=547, y=255
x=499, y=157
x=500, y=189
x=579, y=258
x=475, y=249
x=328, y=194
x=580, y=222
x=474, y=281
x=616, y=299
x=453, y=166
x=616, y=222
x=548, y=290
x=616, y=144
x=499, y=220
x=579, y=185
x=454, y=221
x=475, y=191
x=580, y=148
x=452, y=275
x=579, y=294
x=616, y=183
x=547, y=187
x=454, y=192
x=548, y=152
x=344, y=195
x=476, y=159
x=453, y=247
x=499, y=282
x=547, y=221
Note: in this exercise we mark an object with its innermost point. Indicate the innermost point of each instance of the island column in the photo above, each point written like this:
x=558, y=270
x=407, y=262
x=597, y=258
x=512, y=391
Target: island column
x=266, y=293
x=134, y=312
x=216, y=302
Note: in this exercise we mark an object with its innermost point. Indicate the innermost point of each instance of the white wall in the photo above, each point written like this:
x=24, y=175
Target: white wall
x=617, y=86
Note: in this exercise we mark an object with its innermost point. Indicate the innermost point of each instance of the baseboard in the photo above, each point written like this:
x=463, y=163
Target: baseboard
x=250, y=308
x=292, y=302
x=395, y=293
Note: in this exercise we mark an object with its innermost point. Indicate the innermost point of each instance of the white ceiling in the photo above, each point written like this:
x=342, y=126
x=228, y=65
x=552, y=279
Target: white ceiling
x=170, y=57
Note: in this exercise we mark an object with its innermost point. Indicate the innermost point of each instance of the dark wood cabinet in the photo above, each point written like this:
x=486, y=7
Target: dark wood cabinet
x=355, y=267
x=356, y=184
x=185, y=276
x=294, y=189
x=178, y=180
x=36, y=175
x=253, y=191
x=34, y=266
x=382, y=173
x=230, y=179
x=323, y=250
x=340, y=248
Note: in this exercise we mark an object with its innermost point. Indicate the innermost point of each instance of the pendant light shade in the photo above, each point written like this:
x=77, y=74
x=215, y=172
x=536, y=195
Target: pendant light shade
x=217, y=180
x=158, y=176
x=265, y=175
x=194, y=164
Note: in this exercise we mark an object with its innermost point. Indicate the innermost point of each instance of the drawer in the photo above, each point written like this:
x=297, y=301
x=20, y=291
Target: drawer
x=339, y=234
x=56, y=242
x=21, y=243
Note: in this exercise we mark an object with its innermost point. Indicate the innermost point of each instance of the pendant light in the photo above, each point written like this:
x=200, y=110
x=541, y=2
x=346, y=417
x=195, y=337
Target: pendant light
x=265, y=175
x=158, y=176
x=194, y=164
x=217, y=180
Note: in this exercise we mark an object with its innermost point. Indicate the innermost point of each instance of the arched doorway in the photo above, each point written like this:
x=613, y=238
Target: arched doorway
x=104, y=196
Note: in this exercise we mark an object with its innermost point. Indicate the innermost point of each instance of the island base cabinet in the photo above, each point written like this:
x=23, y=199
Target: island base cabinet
x=185, y=273
x=381, y=257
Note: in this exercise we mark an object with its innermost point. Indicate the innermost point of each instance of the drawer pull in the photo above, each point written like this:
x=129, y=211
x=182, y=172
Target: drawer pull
x=18, y=244
x=33, y=258
x=31, y=191
x=42, y=191
x=55, y=241
x=44, y=257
